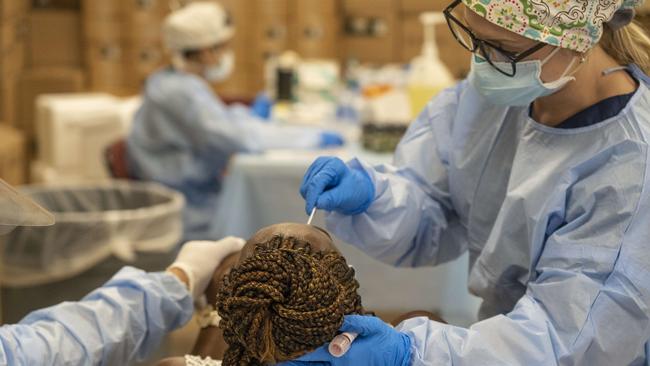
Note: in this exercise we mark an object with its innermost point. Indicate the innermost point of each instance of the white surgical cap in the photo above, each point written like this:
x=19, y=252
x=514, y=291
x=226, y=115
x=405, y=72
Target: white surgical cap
x=198, y=25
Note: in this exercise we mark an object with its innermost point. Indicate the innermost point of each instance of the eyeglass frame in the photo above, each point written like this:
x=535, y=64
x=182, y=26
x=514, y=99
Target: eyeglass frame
x=478, y=43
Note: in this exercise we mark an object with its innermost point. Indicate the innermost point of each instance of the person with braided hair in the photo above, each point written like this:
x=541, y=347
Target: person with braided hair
x=285, y=294
x=283, y=300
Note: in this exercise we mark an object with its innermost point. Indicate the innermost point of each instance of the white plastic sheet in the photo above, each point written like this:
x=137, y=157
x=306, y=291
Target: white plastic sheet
x=93, y=222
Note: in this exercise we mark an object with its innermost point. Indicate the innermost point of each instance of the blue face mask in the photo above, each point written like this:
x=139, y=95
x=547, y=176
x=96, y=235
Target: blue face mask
x=519, y=90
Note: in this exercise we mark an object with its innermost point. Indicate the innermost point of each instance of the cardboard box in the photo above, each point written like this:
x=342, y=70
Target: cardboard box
x=371, y=30
x=270, y=27
x=57, y=4
x=107, y=68
x=12, y=61
x=103, y=30
x=269, y=8
x=370, y=7
x=374, y=51
x=315, y=35
x=14, y=8
x=146, y=11
x=142, y=32
x=8, y=99
x=314, y=28
x=315, y=7
x=379, y=46
x=54, y=39
x=12, y=156
x=102, y=9
x=12, y=32
x=238, y=86
x=142, y=59
x=143, y=19
x=420, y=6
x=11, y=65
x=269, y=35
x=35, y=82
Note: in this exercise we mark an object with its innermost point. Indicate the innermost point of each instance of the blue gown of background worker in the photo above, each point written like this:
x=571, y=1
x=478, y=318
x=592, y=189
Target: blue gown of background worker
x=183, y=135
x=555, y=221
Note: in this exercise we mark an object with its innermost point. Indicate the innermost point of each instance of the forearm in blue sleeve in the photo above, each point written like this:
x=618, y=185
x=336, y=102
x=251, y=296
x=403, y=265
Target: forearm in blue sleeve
x=119, y=323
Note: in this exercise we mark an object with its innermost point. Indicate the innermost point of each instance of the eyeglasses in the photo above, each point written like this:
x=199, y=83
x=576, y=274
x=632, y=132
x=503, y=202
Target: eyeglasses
x=504, y=61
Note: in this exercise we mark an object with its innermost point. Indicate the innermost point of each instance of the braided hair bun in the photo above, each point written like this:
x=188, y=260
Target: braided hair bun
x=283, y=301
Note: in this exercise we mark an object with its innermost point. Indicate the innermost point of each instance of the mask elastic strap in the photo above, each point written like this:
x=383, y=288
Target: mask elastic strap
x=566, y=71
x=582, y=58
x=550, y=55
x=566, y=75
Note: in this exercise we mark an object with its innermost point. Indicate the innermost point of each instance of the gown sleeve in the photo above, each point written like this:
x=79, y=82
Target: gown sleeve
x=412, y=221
x=121, y=322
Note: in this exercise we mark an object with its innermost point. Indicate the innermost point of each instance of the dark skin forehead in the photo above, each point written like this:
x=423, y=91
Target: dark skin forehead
x=318, y=238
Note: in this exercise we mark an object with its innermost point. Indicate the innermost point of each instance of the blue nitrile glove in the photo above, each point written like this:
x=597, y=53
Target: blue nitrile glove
x=262, y=106
x=377, y=344
x=331, y=185
x=331, y=139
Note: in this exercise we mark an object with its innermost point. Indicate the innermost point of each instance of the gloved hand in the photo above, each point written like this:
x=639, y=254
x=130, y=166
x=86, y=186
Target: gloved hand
x=262, y=106
x=377, y=344
x=199, y=259
x=331, y=185
x=331, y=139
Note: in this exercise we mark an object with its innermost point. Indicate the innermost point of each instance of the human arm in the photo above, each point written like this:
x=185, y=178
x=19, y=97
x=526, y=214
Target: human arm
x=216, y=126
x=586, y=302
x=121, y=322
x=411, y=220
x=588, y=306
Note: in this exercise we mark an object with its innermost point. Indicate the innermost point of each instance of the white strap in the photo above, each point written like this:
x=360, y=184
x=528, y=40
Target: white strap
x=208, y=317
x=198, y=361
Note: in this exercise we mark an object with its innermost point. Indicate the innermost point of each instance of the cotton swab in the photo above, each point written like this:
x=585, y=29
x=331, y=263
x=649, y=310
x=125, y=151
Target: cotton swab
x=311, y=217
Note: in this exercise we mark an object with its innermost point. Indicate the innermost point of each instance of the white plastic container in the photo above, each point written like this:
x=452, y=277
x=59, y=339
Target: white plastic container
x=428, y=75
x=73, y=132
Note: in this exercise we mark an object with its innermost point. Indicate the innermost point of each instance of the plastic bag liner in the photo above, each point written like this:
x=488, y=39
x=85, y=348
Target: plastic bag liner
x=93, y=222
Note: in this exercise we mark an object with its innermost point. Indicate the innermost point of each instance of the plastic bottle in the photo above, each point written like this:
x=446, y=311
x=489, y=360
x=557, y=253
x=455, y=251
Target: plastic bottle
x=428, y=75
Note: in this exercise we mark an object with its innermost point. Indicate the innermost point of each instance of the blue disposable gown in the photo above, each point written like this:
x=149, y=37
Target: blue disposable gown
x=556, y=222
x=183, y=137
x=117, y=324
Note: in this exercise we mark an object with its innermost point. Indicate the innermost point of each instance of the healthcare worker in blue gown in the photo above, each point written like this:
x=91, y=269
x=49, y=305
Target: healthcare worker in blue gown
x=183, y=135
x=537, y=166
x=120, y=323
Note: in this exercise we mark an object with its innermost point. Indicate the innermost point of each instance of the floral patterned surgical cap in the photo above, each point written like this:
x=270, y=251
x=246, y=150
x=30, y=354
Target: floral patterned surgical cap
x=573, y=24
